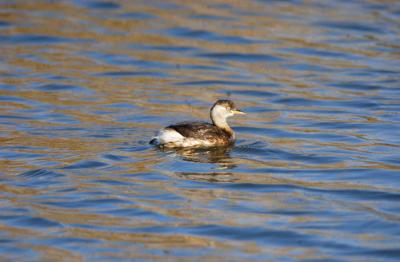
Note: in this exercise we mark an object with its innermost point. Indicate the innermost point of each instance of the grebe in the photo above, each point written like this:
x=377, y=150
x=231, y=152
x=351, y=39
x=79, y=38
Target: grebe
x=201, y=134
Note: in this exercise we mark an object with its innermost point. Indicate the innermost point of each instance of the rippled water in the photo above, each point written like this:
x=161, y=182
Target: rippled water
x=314, y=174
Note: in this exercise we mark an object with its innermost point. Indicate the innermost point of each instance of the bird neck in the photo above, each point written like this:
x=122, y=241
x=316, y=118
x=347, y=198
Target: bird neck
x=220, y=122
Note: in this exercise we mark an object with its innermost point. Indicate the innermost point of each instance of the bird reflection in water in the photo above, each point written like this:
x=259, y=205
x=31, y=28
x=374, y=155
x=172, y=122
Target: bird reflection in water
x=216, y=155
x=212, y=177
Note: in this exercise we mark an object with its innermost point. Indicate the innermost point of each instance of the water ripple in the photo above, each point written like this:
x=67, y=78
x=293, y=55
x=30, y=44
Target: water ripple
x=313, y=175
x=103, y=5
x=208, y=36
x=351, y=26
x=241, y=57
x=86, y=164
x=34, y=39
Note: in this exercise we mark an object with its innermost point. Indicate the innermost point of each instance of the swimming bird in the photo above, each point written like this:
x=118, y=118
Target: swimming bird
x=201, y=134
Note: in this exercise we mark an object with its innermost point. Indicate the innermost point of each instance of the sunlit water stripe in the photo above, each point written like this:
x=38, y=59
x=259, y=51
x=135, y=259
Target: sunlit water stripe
x=314, y=172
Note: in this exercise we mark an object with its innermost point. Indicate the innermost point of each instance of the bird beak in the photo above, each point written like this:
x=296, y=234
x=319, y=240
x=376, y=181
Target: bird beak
x=238, y=112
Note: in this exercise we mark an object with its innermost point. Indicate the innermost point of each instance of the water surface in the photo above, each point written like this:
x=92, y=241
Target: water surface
x=314, y=175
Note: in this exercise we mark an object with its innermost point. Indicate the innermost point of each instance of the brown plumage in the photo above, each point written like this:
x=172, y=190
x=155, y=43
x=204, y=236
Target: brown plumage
x=204, y=131
x=201, y=134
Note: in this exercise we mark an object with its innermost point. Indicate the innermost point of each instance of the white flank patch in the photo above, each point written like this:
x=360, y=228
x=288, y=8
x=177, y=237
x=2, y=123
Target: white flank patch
x=168, y=136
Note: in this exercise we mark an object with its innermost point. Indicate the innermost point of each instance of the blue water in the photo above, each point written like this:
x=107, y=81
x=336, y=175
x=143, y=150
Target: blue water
x=313, y=176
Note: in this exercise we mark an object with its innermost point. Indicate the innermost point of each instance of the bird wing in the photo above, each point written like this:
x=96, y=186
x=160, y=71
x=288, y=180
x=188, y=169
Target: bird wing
x=197, y=130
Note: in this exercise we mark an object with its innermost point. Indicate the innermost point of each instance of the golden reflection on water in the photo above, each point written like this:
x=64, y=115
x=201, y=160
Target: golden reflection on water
x=84, y=103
